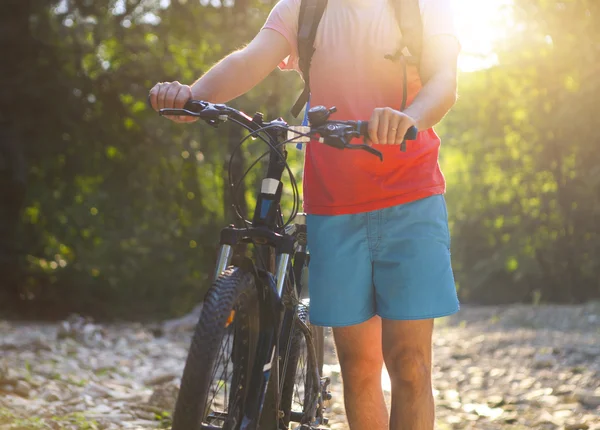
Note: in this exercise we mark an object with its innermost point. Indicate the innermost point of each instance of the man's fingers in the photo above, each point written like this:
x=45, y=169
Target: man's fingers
x=171, y=94
x=153, y=96
x=185, y=119
x=394, y=128
x=162, y=93
x=384, y=126
x=373, y=126
x=403, y=127
x=185, y=93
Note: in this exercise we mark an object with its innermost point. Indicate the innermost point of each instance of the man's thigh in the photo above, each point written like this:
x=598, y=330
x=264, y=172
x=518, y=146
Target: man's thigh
x=412, y=271
x=359, y=345
x=340, y=271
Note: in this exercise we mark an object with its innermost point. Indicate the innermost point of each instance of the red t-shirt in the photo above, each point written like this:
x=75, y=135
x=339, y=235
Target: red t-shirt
x=349, y=71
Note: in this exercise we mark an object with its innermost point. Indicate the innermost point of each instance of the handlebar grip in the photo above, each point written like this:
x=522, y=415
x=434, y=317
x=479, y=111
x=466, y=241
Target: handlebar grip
x=189, y=105
x=363, y=128
x=411, y=133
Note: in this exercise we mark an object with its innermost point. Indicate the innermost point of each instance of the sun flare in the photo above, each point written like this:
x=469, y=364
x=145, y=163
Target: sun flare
x=480, y=23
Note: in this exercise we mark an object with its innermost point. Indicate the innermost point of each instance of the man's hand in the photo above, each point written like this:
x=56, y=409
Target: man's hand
x=388, y=126
x=171, y=95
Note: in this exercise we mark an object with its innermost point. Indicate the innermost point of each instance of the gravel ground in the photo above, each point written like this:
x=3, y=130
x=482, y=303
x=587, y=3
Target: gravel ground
x=517, y=367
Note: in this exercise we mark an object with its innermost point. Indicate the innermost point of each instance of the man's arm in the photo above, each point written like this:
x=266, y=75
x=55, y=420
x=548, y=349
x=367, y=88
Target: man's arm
x=241, y=71
x=233, y=76
x=439, y=76
x=438, y=94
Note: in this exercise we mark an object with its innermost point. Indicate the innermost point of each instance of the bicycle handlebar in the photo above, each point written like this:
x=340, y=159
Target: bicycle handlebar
x=331, y=132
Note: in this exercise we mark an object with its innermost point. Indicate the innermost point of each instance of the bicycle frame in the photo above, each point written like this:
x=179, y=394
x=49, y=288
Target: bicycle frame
x=276, y=320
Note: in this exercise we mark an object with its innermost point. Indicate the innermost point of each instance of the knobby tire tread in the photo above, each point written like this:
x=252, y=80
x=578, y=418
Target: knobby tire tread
x=232, y=287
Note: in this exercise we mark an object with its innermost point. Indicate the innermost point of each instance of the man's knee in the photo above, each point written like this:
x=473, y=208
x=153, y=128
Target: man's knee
x=408, y=367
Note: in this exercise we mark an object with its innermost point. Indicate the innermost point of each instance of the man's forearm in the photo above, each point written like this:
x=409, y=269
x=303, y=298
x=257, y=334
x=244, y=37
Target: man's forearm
x=242, y=70
x=434, y=101
x=228, y=79
x=233, y=76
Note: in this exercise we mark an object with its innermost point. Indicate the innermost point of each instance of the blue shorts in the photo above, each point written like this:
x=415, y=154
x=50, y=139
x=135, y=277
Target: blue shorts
x=393, y=262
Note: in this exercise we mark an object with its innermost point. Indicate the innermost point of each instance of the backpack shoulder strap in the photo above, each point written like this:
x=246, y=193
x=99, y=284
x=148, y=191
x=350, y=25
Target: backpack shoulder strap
x=408, y=15
x=311, y=12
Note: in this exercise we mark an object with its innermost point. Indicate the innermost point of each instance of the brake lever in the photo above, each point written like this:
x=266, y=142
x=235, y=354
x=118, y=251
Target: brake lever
x=182, y=112
x=338, y=135
x=367, y=148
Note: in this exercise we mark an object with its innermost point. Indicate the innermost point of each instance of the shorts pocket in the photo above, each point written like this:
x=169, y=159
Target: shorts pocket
x=445, y=220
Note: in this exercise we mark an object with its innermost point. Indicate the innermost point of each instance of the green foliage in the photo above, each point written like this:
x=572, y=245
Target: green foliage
x=123, y=208
x=165, y=419
x=521, y=158
x=72, y=421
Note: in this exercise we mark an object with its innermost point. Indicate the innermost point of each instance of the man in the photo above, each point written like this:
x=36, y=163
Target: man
x=378, y=232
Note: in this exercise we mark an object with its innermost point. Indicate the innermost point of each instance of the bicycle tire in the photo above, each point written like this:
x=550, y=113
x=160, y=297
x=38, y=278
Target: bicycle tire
x=298, y=350
x=234, y=291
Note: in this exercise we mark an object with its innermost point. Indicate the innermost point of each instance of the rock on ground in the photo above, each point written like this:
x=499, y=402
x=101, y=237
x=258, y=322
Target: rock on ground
x=514, y=367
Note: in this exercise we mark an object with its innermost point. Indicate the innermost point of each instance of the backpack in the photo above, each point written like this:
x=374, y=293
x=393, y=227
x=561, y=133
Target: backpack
x=408, y=16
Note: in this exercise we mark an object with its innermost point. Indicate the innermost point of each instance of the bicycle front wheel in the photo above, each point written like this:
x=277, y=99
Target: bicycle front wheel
x=221, y=355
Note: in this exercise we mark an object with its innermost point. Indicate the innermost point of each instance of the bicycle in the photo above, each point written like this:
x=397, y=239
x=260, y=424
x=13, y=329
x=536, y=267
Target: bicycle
x=256, y=312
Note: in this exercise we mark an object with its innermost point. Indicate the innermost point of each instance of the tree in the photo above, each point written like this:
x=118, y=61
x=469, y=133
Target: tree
x=123, y=209
x=524, y=162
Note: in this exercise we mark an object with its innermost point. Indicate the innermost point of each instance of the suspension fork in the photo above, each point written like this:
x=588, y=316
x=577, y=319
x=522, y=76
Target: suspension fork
x=267, y=354
x=224, y=259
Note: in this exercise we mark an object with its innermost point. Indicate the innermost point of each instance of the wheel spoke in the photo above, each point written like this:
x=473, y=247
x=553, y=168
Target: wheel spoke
x=301, y=380
x=220, y=381
x=226, y=371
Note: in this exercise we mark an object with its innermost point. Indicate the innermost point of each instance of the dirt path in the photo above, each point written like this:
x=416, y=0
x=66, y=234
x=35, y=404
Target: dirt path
x=495, y=368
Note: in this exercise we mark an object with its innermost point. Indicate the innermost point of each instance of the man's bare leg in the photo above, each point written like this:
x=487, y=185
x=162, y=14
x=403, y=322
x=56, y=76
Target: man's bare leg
x=407, y=354
x=361, y=360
